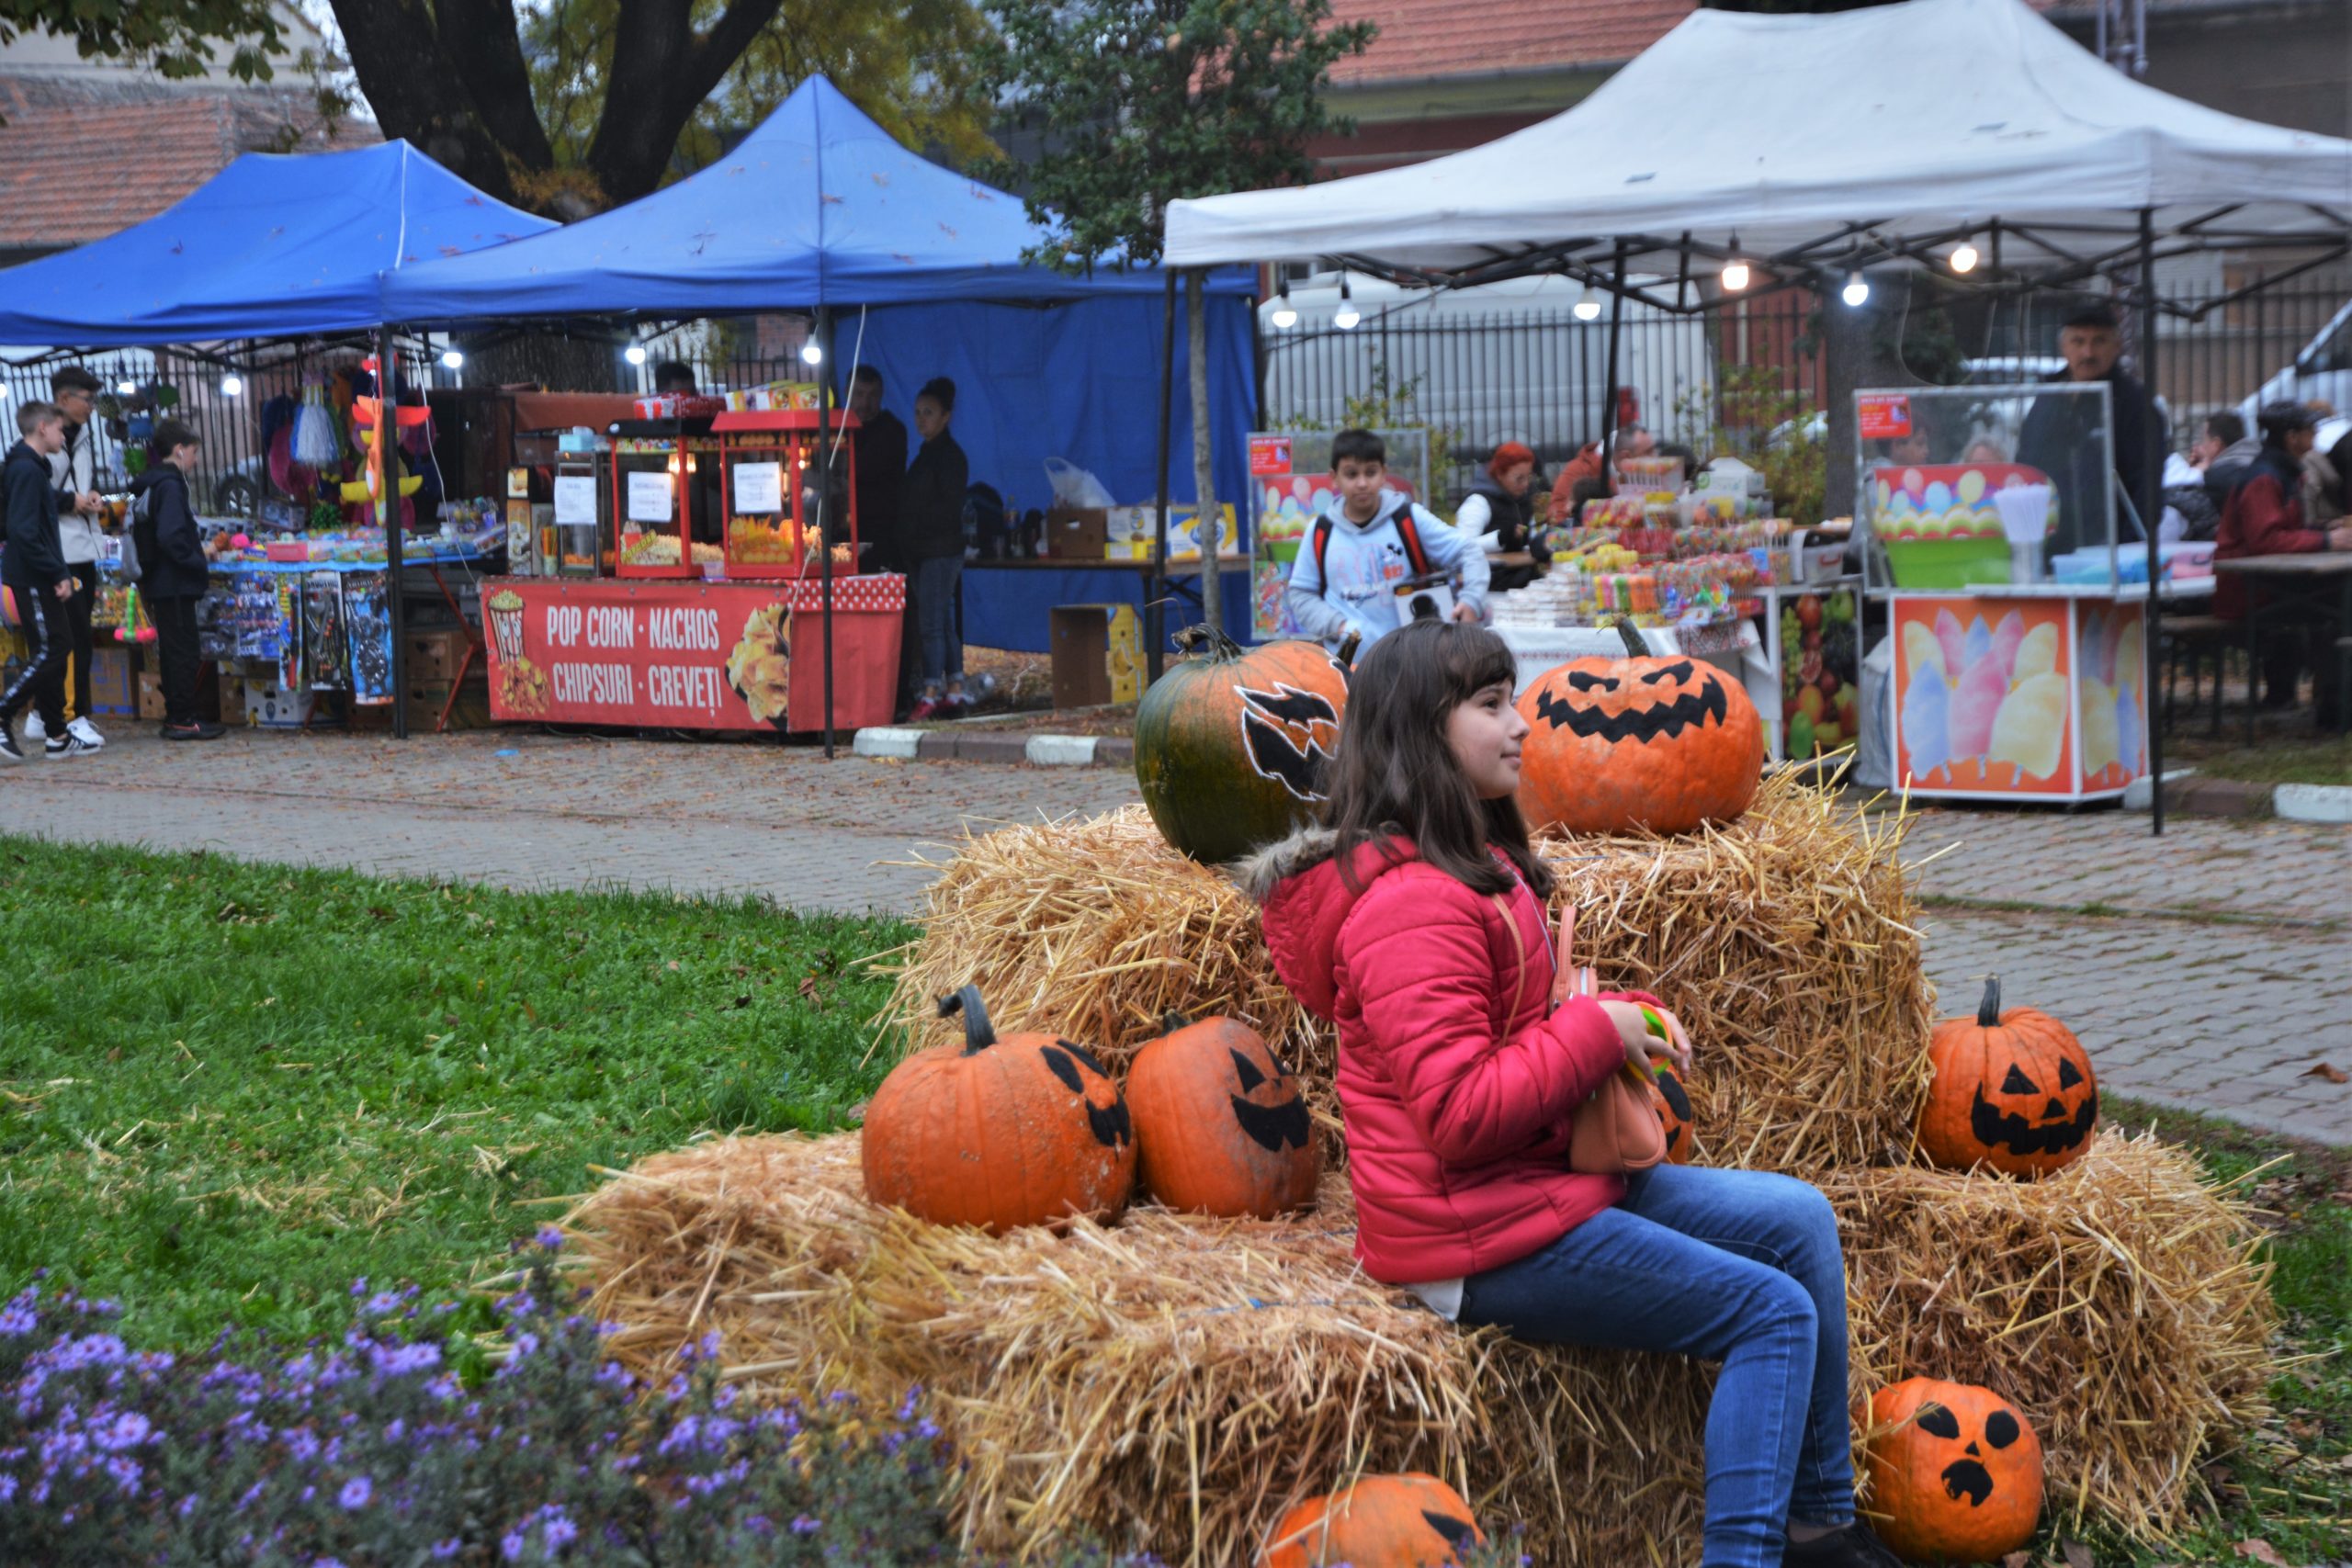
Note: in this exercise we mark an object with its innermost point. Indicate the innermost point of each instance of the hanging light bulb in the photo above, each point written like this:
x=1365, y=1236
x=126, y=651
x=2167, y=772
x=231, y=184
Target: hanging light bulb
x=1346, y=317
x=635, y=354
x=128, y=389
x=453, y=359
x=1856, y=292
x=1964, y=257
x=812, y=352
x=1587, y=308
x=1285, y=314
x=233, y=385
x=1734, y=274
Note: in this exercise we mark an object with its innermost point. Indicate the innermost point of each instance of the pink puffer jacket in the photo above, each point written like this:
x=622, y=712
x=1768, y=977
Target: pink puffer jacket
x=1456, y=1075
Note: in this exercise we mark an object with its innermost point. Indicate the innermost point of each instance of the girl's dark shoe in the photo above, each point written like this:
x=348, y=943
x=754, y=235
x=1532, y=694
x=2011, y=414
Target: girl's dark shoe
x=1851, y=1545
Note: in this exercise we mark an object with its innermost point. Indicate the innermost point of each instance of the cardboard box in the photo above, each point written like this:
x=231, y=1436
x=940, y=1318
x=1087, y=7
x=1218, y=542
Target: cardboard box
x=1077, y=533
x=113, y=694
x=426, y=699
x=434, y=655
x=1097, y=654
x=267, y=707
x=151, y=695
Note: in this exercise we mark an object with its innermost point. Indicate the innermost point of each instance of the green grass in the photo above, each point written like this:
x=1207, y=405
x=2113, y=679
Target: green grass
x=2301, y=758
x=226, y=1090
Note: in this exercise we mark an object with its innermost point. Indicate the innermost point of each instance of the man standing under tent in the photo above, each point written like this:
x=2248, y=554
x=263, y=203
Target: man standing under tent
x=73, y=470
x=881, y=467
x=2061, y=434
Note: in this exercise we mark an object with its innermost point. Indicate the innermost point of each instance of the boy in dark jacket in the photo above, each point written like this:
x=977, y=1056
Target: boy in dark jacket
x=930, y=543
x=176, y=562
x=33, y=569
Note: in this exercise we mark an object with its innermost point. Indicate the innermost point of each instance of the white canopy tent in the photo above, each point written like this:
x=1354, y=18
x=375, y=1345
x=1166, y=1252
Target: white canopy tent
x=1811, y=144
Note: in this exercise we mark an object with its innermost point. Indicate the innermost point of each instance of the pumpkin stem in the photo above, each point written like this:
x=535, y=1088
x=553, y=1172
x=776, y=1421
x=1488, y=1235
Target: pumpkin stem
x=1193, y=639
x=1634, y=645
x=977, y=1036
x=1170, y=1022
x=1988, y=1011
x=1348, y=646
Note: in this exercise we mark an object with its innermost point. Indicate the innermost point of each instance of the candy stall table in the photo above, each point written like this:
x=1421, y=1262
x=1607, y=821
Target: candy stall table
x=699, y=655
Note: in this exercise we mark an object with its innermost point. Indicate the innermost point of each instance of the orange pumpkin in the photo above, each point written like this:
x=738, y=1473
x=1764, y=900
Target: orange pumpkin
x=1232, y=748
x=1394, y=1521
x=1674, y=1113
x=1955, y=1472
x=1637, y=742
x=2012, y=1090
x=1023, y=1131
x=1221, y=1125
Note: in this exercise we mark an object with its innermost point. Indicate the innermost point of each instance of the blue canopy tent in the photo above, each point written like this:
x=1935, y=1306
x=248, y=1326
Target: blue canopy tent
x=272, y=246
x=821, y=208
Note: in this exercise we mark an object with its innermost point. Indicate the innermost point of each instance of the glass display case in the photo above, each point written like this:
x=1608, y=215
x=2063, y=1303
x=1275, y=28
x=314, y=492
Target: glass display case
x=663, y=497
x=771, y=465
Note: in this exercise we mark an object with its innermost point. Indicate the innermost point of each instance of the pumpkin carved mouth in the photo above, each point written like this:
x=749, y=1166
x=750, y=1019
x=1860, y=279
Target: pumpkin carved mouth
x=1689, y=711
x=1993, y=1126
x=1965, y=1477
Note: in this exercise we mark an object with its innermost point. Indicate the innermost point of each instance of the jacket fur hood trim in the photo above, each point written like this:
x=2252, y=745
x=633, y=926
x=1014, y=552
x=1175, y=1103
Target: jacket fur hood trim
x=1261, y=872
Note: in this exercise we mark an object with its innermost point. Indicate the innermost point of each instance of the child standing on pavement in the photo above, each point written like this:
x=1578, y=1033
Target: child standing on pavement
x=175, y=562
x=1416, y=919
x=33, y=569
x=1372, y=542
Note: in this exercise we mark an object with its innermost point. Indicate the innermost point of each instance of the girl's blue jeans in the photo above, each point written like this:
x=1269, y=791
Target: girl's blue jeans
x=1732, y=1266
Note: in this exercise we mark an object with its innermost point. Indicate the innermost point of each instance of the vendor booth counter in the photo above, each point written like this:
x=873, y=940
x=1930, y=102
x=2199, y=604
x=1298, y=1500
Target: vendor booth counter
x=717, y=656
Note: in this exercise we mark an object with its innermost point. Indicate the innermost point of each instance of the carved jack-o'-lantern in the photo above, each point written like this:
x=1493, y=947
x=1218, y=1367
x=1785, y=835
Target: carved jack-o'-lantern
x=2013, y=1091
x=1222, y=1125
x=1232, y=747
x=1395, y=1521
x=1639, y=742
x=1023, y=1131
x=1955, y=1472
x=1674, y=1113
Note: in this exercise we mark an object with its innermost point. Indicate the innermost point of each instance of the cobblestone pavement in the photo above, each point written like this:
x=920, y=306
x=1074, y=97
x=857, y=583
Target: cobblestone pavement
x=2209, y=970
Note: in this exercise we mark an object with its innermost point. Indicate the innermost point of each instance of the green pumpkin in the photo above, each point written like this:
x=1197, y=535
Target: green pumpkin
x=1232, y=746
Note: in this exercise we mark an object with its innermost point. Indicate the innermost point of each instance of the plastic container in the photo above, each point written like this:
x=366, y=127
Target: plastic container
x=1949, y=563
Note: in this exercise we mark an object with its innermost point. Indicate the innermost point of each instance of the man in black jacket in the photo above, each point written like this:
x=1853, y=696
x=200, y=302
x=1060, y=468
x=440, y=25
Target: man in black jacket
x=2061, y=434
x=33, y=569
x=175, y=563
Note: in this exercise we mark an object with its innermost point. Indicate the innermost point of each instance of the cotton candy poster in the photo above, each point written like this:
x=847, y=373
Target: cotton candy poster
x=1988, y=699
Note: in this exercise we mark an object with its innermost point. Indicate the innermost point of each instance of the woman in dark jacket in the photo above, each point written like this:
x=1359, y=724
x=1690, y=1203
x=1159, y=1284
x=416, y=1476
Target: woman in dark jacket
x=1502, y=503
x=175, y=571
x=931, y=541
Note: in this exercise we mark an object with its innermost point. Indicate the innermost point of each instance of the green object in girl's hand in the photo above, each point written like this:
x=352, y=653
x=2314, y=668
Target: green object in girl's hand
x=1656, y=1024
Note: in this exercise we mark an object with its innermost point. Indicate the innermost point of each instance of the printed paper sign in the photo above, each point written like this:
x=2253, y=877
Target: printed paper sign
x=1883, y=419
x=650, y=495
x=1269, y=455
x=575, y=500
x=759, y=487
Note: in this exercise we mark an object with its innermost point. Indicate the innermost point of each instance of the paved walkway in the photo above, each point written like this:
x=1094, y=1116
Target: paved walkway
x=2209, y=971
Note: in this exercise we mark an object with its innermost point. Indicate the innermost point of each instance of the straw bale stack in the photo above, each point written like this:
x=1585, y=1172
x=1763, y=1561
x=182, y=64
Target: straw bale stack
x=1786, y=941
x=1176, y=1383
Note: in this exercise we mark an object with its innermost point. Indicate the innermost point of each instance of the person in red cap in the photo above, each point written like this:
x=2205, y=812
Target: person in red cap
x=1502, y=503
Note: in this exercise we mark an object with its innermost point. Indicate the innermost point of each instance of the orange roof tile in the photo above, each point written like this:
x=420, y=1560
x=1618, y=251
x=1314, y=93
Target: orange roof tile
x=1420, y=39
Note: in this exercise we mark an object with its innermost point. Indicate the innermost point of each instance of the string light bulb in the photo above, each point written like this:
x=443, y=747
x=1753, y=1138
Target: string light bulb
x=1285, y=314
x=635, y=354
x=1735, y=272
x=812, y=352
x=1857, y=292
x=1587, y=308
x=233, y=385
x=1346, y=317
x=1964, y=257
x=453, y=359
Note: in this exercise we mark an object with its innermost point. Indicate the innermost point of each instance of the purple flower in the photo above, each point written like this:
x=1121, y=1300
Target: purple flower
x=549, y=1236
x=559, y=1531
x=355, y=1492
x=443, y=1549
x=804, y=1525
x=511, y=1545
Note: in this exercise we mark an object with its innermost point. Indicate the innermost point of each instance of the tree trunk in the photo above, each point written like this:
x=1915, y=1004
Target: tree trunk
x=1203, y=474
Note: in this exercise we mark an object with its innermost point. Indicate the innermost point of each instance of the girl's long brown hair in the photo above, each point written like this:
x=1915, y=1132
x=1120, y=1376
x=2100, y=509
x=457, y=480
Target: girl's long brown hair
x=1394, y=776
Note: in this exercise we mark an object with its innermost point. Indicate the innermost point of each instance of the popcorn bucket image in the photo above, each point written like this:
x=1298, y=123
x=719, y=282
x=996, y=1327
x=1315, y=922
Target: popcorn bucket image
x=506, y=623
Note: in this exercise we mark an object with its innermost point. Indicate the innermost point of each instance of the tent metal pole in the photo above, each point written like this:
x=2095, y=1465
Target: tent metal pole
x=825, y=455
x=2152, y=476
x=1616, y=332
x=387, y=512
x=1154, y=608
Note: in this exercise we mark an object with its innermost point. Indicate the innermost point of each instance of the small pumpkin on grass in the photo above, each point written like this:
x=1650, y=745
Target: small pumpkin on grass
x=1637, y=742
x=1028, y=1130
x=1955, y=1472
x=1395, y=1521
x=2012, y=1090
x=1222, y=1125
x=1232, y=747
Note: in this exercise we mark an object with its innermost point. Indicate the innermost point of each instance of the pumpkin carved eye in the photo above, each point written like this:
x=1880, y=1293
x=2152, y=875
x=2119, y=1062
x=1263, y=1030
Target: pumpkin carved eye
x=1580, y=681
x=2017, y=1083
x=1935, y=1420
x=1676, y=671
x=2067, y=1076
x=2001, y=1429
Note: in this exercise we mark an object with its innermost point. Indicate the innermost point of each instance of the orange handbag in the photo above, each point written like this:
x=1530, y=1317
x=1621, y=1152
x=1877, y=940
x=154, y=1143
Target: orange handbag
x=1618, y=1129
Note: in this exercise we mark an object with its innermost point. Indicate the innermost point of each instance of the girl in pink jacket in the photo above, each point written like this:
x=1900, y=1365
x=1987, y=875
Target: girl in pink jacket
x=1415, y=920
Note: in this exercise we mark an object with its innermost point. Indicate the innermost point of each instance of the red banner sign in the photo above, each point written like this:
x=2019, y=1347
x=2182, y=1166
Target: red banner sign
x=1884, y=418
x=688, y=655
x=1269, y=455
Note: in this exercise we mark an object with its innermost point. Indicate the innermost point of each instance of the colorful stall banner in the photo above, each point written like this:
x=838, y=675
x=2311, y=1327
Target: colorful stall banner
x=680, y=656
x=1988, y=700
x=368, y=619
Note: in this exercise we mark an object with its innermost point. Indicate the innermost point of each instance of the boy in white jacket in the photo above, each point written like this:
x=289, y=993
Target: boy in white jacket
x=1375, y=540
x=73, y=470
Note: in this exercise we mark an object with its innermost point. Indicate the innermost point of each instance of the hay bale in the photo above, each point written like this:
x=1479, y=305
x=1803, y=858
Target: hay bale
x=2120, y=1303
x=1788, y=943
x=1786, y=939
x=1176, y=1383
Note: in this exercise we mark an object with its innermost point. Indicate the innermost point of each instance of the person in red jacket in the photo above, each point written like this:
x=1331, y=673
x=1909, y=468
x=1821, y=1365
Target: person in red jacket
x=1415, y=920
x=2264, y=516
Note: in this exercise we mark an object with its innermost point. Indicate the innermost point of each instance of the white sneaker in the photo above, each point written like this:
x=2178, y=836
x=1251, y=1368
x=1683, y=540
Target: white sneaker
x=82, y=729
x=34, y=728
